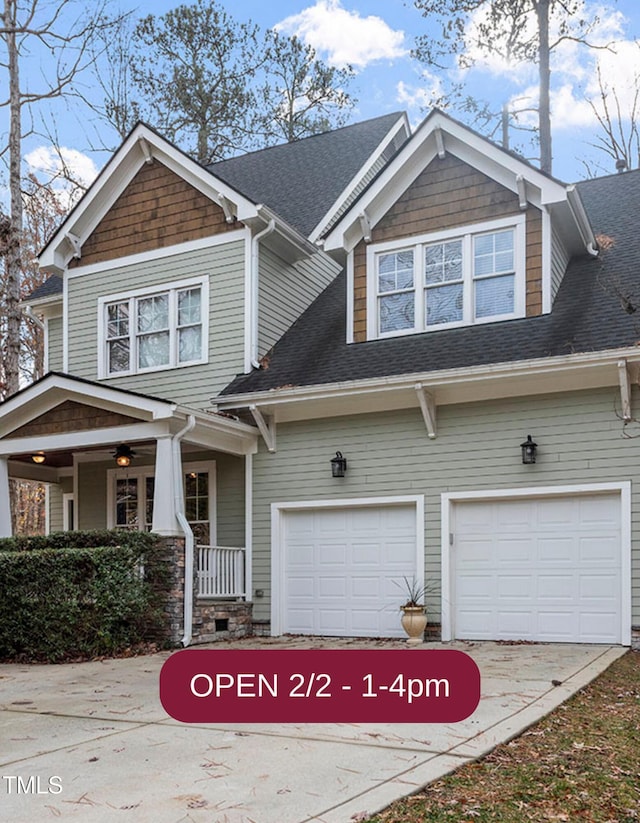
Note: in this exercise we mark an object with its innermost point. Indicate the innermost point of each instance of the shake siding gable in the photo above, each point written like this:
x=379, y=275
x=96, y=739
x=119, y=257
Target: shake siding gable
x=157, y=209
x=224, y=265
x=447, y=194
x=477, y=448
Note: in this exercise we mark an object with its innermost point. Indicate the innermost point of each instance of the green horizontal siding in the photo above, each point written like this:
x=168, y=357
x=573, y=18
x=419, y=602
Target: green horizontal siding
x=285, y=291
x=191, y=385
x=54, y=344
x=579, y=438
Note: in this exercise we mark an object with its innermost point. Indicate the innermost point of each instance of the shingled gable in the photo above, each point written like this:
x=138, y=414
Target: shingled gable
x=141, y=149
x=440, y=135
x=578, y=345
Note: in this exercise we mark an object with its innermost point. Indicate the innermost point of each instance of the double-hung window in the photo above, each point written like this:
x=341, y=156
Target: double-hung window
x=455, y=278
x=150, y=330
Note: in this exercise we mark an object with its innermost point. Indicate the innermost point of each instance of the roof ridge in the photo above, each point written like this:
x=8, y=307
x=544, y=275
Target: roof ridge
x=395, y=114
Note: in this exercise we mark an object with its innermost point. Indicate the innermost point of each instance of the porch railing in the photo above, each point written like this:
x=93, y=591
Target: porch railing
x=221, y=571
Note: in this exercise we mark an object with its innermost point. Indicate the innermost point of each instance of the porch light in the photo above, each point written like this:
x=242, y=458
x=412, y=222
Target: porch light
x=338, y=465
x=38, y=457
x=124, y=455
x=529, y=449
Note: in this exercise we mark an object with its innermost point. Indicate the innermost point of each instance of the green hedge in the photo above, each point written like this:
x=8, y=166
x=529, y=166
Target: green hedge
x=80, y=594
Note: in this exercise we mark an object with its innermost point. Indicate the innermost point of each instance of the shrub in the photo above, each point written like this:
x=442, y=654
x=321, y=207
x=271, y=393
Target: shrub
x=74, y=594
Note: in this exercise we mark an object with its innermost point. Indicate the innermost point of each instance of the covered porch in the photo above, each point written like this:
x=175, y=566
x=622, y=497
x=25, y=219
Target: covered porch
x=113, y=458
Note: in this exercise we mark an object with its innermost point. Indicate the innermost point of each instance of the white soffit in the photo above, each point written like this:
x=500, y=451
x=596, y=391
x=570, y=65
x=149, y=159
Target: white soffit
x=437, y=133
x=139, y=147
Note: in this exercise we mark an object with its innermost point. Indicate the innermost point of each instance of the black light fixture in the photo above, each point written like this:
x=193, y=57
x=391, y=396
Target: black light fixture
x=38, y=457
x=529, y=449
x=338, y=465
x=124, y=455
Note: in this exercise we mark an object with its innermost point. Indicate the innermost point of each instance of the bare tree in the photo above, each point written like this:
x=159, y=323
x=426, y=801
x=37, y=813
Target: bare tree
x=515, y=30
x=27, y=26
x=302, y=94
x=619, y=136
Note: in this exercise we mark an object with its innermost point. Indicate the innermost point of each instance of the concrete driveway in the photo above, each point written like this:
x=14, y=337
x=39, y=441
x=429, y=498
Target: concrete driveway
x=99, y=728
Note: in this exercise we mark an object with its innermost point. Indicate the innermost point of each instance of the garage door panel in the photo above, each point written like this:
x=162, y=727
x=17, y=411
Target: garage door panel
x=514, y=518
x=597, y=549
x=602, y=511
x=514, y=550
x=518, y=620
x=556, y=550
x=555, y=576
x=515, y=587
x=357, y=554
x=598, y=587
x=476, y=551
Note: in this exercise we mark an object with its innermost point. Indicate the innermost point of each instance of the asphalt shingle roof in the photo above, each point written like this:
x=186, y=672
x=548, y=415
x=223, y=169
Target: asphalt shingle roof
x=300, y=181
x=588, y=315
x=51, y=286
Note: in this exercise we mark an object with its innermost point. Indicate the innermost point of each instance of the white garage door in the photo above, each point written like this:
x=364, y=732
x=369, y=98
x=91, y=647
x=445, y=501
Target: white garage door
x=547, y=569
x=340, y=566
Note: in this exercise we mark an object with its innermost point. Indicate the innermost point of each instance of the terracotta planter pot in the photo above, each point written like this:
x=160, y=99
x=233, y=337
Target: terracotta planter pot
x=414, y=622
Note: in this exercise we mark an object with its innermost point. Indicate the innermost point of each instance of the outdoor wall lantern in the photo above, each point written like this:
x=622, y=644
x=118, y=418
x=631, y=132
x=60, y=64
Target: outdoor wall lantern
x=38, y=457
x=124, y=455
x=338, y=465
x=529, y=449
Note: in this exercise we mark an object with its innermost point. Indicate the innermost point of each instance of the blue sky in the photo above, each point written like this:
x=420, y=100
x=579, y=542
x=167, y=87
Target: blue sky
x=376, y=39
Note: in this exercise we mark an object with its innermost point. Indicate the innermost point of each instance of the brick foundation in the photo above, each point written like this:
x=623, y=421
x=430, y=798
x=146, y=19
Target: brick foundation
x=635, y=638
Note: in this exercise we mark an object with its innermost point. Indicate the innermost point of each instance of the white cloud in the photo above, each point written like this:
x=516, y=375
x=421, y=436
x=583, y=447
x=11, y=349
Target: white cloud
x=422, y=96
x=67, y=171
x=619, y=69
x=344, y=36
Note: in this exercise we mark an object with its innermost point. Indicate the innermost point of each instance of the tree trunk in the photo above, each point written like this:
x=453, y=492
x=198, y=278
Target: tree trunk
x=544, y=113
x=13, y=258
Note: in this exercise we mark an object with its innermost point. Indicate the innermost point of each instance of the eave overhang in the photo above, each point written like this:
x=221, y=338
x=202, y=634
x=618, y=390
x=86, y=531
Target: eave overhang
x=521, y=378
x=144, y=145
x=153, y=416
x=439, y=134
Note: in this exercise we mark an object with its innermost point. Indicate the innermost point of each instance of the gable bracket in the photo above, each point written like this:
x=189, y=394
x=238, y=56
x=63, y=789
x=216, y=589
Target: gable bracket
x=75, y=242
x=625, y=390
x=365, y=225
x=428, y=409
x=521, y=183
x=442, y=152
x=146, y=150
x=226, y=208
x=266, y=426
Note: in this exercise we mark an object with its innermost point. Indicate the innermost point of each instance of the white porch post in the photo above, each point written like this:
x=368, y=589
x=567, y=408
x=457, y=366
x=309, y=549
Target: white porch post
x=164, y=503
x=5, y=507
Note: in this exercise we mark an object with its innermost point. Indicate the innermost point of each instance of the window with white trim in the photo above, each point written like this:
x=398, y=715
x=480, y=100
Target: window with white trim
x=131, y=496
x=148, y=331
x=455, y=278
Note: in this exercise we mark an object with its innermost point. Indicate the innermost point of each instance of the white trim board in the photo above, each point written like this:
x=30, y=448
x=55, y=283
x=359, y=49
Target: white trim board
x=158, y=254
x=449, y=499
x=279, y=510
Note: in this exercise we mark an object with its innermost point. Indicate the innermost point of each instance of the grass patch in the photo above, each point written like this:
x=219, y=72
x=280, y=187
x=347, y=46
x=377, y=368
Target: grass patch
x=579, y=764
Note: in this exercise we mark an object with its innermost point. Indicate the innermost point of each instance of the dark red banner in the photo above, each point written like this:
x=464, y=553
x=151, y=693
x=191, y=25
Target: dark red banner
x=320, y=686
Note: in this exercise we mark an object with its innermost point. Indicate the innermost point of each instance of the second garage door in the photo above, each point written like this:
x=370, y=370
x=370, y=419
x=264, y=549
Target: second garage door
x=340, y=565
x=547, y=569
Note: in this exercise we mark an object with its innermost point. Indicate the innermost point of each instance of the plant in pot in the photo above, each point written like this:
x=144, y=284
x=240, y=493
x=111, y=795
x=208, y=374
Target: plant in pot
x=414, y=611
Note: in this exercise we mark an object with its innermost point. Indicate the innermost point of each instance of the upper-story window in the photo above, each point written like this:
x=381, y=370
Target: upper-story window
x=454, y=278
x=152, y=330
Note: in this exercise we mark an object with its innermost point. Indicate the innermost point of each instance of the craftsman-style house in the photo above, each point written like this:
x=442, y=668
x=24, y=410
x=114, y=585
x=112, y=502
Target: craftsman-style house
x=326, y=366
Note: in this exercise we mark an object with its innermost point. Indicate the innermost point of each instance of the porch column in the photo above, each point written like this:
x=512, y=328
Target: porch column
x=164, y=504
x=5, y=507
